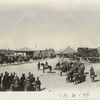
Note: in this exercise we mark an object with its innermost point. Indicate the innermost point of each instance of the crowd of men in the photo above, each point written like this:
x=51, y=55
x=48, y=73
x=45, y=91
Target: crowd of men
x=12, y=82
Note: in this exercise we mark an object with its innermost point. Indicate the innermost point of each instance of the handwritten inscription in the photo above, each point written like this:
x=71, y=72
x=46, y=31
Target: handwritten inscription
x=83, y=95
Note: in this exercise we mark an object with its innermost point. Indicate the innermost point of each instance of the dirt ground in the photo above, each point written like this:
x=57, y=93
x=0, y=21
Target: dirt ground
x=53, y=81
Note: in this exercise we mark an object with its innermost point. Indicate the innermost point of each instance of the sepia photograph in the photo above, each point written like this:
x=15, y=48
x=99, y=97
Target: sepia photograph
x=50, y=49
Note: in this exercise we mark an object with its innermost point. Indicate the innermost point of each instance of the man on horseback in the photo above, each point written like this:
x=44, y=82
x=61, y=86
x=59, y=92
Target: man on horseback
x=46, y=64
x=42, y=64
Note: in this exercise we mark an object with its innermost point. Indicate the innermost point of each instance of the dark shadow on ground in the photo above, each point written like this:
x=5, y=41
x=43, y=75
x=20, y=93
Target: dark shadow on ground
x=40, y=69
x=11, y=65
x=86, y=73
x=5, y=90
x=64, y=75
x=97, y=80
x=2, y=89
x=4, y=65
x=43, y=89
x=51, y=72
x=41, y=75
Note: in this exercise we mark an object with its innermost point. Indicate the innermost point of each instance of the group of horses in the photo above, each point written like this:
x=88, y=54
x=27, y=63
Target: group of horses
x=13, y=59
x=74, y=71
x=94, y=59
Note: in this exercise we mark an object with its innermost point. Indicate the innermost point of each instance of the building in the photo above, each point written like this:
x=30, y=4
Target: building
x=24, y=52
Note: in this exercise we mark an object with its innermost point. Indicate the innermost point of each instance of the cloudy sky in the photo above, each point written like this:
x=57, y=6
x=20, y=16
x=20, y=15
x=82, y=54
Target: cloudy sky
x=49, y=23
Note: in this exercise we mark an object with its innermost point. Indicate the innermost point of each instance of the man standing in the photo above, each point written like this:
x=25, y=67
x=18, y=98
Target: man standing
x=1, y=81
x=32, y=78
x=38, y=84
x=92, y=74
x=31, y=83
x=16, y=83
x=22, y=82
x=39, y=65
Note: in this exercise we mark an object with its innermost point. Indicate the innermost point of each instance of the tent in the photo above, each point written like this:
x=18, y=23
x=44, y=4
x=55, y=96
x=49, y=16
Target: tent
x=24, y=49
x=68, y=50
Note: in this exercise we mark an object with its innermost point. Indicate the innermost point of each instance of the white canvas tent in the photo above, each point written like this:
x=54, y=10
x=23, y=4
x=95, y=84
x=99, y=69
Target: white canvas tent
x=68, y=50
x=24, y=49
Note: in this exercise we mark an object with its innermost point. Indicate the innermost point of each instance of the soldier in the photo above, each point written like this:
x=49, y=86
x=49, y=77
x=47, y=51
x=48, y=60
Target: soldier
x=5, y=80
x=39, y=65
x=61, y=73
x=29, y=74
x=8, y=81
x=11, y=77
x=92, y=74
x=46, y=64
x=16, y=83
x=32, y=79
x=43, y=67
x=38, y=84
x=22, y=82
x=68, y=77
x=1, y=80
x=27, y=83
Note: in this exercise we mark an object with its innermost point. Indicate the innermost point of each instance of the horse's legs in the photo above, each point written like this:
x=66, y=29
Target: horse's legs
x=92, y=79
x=43, y=70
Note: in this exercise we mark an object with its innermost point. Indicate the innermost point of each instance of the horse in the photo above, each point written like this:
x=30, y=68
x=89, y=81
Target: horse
x=58, y=65
x=45, y=66
x=1, y=60
x=50, y=68
x=26, y=59
x=10, y=60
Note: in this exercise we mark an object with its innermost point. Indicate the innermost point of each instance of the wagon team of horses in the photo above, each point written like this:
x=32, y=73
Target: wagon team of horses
x=75, y=71
x=13, y=59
